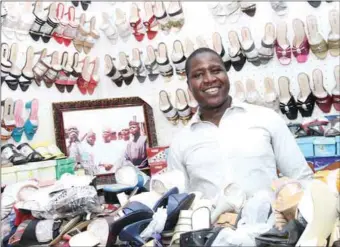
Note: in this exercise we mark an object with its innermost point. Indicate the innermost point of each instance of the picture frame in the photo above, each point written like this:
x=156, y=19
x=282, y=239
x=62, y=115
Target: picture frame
x=98, y=128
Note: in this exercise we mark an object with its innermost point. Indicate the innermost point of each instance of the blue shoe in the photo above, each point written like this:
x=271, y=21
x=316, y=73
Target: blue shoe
x=131, y=233
x=163, y=201
x=31, y=124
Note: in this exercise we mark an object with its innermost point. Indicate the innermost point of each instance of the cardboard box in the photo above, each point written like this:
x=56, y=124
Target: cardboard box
x=306, y=145
x=157, y=159
x=324, y=146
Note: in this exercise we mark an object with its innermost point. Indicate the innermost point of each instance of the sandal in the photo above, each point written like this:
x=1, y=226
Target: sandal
x=31, y=124
x=334, y=35
x=63, y=75
x=50, y=25
x=112, y=72
x=193, y=104
x=218, y=11
x=137, y=65
x=85, y=76
x=280, y=7
x=282, y=46
x=125, y=69
x=333, y=128
x=237, y=57
x=162, y=17
x=26, y=21
x=19, y=121
x=7, y=121
x=322, y=97
x=219, y=48
x=271, y=99
x=249, y=48
x=123, y=26
x=190, y=48
x=152, y=24
x=11, y=21
x=167, y=108
x=136, y=23
x=288, y=105
x=85, y=4
x=92, y=36
x=151, y=64
x=252, y=95
x=59, y=31
x=53, y=69
x=266, y=52
x=306, y=99
x=12, y=79
x=6, y=65
x=317, y=43
x=30, y=154
x=40, y=68
x=70, y=31
x=109, y=29
x=40, y=19
x=93, y=83
x=178, y=58
x=27, y=75
x=314, y=3
x=248, y=8
x=176, y=15
x=76, y=69
x=201, y=42
x=79, y=40
x=336, y=89
x=12, y=154
x=240, y=94
x=182, y=106
x=300, y=42
x=165, y=68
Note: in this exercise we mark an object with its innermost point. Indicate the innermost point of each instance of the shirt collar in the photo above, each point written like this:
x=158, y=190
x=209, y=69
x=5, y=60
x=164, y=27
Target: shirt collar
x=196, y=118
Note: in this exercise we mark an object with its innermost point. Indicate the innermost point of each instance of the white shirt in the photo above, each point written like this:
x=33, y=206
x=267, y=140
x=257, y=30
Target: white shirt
x=247, y=148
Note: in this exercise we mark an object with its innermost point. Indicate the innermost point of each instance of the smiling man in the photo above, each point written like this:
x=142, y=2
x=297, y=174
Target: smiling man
x=229, y=141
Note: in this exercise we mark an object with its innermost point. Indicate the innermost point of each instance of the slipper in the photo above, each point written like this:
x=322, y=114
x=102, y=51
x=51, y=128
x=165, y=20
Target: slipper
x=201, y=42
x=109, y=28
x=42, y=148
x=50, y=25
x=54, y=67
x=30, y=154
x=314, y=3
x=137, y=65
x=178, y=58
x=125, y=69
x=162, y=17
x=92, y=36
x=252, y=95
x=165, y=68
x=323, y=98
x=12, y=79
x=123, y=26
x=6, y=65
x=336, y=89
x=300, y=42
x=249, y=48
x=19, y=121
x=288, y=105
x=238, y=59
x=81, y=36
x=7, y=122
x=75, y=67
x=189, y=47
x=112, y=72
x=182, y=106
x=271, y=99
x=40, y=68
x=334, y=35
x=31, y=124
x=219, y=48
x=193, y=104
x=136, y=23
x=218, y=11
x=305, y=99
x=167, y=108
x=317, y=43
x=151, y=63
x=248, y=8
x=62, y=77
x=85, y=76
x=282, y=46
x=27, y=75
x=280, y=7
x=176, y=15
x=266, y=52
x=59, y=30
x=240, y=94
x=93, y=83
x=70, y=31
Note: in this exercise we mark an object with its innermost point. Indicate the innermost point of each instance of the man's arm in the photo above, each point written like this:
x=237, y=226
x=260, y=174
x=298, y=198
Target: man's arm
x=289, y=158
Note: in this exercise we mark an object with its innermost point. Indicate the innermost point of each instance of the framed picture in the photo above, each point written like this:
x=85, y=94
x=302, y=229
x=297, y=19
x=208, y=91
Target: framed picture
x=102, y=135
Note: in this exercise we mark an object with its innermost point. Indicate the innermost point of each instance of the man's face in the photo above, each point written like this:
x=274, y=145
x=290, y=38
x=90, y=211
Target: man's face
x=106, y=137
x=134, y=129
x=208, y=80
x=91, y=140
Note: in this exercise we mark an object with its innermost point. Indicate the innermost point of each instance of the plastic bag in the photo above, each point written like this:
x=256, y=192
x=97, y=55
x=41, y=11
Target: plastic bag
x=156, y=225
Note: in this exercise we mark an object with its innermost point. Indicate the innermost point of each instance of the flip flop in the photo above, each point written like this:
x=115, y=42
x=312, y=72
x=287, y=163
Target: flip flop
x=271, y=99
x=266, y=52
x=288, y=105
x=300, y=42
x=336, y=89
x=112, y=72
x=7, y=122
x=282, y=46
x=334, y=35
x=31, y=124
x=249, y=48
x=137, y=65
x=6, y=65
x=178, y=59
x=27, y=75
x=19, y=121
x=240, y=93
x=165, y=68
x=167, y=108
x=151, y=63
x=219, y=48
x=182, y=106
x=323, y=98
x=305, y=99
x=317, y=43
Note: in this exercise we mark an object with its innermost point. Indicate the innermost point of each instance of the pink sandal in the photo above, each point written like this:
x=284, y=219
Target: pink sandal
x=70, y=31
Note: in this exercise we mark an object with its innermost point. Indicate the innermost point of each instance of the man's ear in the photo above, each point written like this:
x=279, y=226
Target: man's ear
x=189, y=86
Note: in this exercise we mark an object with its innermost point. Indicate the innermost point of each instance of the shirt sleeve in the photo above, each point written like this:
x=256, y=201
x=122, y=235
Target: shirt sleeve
x=289, y=158
x=174, y=161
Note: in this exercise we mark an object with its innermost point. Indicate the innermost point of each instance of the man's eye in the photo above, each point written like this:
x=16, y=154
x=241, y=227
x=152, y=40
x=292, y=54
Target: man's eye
x=216, y=71
x=198, y=75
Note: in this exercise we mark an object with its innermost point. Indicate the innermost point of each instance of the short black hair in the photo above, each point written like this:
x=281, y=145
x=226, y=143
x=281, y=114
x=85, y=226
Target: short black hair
x=196, y=53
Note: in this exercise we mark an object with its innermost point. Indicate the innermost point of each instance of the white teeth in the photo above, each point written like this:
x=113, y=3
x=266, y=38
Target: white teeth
x=213, y=90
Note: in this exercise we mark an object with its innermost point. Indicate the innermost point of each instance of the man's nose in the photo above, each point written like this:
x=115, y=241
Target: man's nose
x=208, y=77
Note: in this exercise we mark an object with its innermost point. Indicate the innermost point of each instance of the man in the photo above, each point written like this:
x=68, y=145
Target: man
x=88, y=153
x=136, y=148
x=228, y=141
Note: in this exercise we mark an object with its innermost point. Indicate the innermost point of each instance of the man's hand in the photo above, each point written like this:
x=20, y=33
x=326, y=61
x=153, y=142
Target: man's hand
x=108, y=167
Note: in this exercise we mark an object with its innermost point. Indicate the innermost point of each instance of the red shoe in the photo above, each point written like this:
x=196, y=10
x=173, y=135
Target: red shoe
x=136, y=23
x=85, y=77
x=336, y=102
x=152, y=21
x=58, y=33
x=94, y=77
x=325, y=104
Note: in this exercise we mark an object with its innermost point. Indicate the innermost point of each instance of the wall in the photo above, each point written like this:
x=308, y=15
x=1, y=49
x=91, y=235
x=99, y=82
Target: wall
x=198, y=21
